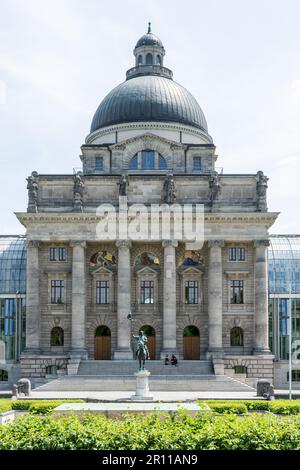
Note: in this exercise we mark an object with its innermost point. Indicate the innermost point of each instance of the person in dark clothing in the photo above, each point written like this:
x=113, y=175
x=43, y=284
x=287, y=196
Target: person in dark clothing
x=174, y=360
x=167, y=360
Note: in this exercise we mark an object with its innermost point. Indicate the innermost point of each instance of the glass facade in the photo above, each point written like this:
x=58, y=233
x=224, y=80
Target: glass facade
x=12, y=296
x=284, y=295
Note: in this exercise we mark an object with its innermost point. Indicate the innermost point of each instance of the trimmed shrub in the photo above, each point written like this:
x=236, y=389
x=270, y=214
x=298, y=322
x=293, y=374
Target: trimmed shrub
x=227, y=407
x=284, y=407
x=202, y=432
x=41, y=407
x=5, y=405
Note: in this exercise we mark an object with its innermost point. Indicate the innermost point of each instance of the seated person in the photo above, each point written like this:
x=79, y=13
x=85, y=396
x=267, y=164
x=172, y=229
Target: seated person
x=174, y=360
x=167, y=360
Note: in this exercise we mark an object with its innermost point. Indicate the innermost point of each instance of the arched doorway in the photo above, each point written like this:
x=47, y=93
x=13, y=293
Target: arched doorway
x=150, y=333
x=191, y=343
x=102, y=343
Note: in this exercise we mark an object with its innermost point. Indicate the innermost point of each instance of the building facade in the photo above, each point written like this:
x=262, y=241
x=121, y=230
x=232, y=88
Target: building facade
x=284, y=299
x=148, y=145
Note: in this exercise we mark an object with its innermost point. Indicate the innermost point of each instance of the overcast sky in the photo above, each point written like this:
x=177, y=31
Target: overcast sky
x=239, y=58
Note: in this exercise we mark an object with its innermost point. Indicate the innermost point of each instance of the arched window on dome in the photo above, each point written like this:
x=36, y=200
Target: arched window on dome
x=162, y=163
x=158, y=59
x=133, y=163
x=148, y=160
x=140, y=60
x=149, y=59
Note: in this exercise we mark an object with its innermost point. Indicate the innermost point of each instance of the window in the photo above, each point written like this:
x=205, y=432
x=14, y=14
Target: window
x=57, y=292
x=240, y=369
x=58, y=254
x=140, y=60
x=147, y=292
x=148, y=160
x=149, y=59
x=102, y=292
x=3, y=375
x=57, y=336
x=197, y=163
x=162, y=163
x=133, y=163
x=158, y=59
x=237, y=254
x=9, y=317
x=236, y=336
x=295, y=375
x=191, y=292
x=236, y=292
x=99, y=163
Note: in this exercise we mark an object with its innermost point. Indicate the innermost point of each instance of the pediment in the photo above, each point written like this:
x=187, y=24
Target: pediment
x=147, y=138
x=146, y=270
x=199, y=269
x=102, y=270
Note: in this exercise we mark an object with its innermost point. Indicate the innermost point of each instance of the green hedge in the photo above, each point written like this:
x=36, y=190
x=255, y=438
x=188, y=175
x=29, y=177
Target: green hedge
x=5, y=405
x=227, y=407
x=204, y=431
x=282, y=407
x=40, y=406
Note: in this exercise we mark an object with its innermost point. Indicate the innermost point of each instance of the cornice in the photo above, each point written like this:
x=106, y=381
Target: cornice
x=147, y=137
x=148, y=125
x=267, y=218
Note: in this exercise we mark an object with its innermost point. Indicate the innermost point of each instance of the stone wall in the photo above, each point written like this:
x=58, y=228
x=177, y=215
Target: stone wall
x=257, y=366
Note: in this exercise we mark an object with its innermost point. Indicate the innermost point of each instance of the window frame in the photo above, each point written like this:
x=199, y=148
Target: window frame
x=236, y=254
x=53, y=293
x=146, y=288
x=57, y=253
x=105, y=289
x=195, y=290
x=239, y=286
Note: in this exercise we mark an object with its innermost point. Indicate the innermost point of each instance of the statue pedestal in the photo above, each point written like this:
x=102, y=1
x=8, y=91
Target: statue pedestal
x=142, y=386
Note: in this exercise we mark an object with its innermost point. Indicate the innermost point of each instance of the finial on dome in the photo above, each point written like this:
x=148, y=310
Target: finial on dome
x=149, y=28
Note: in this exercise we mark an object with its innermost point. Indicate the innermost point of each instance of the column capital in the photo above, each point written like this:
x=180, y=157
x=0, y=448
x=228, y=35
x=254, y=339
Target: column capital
x=123, y=243
x=260, y=243
x=80, y=243
x=32, y=243
x=217, y=243
x=173, y=243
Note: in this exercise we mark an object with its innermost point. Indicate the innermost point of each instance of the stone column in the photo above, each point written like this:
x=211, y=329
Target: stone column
x=215, y=298
x=123, y=350
x=261, y=336
x=78, y=298
x=169, y=299
x=33, y=314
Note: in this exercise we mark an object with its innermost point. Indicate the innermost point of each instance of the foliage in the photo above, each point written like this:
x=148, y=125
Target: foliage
x=204, y=431
x=5, y=405
x=227, y=407
x=40, y=406
x=284, y=407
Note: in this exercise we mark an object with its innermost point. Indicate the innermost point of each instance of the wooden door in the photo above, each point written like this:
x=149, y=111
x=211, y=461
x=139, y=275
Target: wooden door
x=191, y=347
x=151, y=347
x=102, y=348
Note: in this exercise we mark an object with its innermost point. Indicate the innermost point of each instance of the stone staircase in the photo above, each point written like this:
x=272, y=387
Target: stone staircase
x=157, y=368
x=119, y=376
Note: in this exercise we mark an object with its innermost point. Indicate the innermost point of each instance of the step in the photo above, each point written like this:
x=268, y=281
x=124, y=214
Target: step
x=103, y=368
x=209, y=383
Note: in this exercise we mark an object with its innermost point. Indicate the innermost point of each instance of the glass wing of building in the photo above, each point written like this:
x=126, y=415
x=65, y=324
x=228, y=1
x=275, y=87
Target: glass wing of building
x=284, y=288
x=12, y=296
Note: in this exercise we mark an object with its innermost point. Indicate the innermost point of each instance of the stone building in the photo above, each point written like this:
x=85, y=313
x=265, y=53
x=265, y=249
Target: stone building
x=148, y=144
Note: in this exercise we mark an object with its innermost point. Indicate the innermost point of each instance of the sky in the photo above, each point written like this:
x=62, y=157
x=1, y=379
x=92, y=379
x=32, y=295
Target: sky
x=239, y=58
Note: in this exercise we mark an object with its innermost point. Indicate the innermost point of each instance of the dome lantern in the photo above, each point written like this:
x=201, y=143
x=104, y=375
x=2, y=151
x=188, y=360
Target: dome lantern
x=149, y=50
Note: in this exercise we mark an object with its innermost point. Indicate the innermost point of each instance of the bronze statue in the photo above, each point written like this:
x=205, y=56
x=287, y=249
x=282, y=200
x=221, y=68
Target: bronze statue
x=142, y=352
